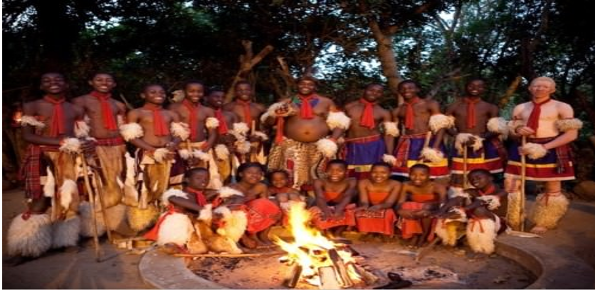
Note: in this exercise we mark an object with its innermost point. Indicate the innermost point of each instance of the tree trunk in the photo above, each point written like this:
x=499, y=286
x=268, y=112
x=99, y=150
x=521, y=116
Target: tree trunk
x=247, y=62
x=386, y=55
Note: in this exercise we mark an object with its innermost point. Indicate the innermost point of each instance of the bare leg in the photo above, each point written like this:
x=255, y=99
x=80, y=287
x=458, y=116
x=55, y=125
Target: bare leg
x=249, y=241
x=426, y=224
x=263, y=237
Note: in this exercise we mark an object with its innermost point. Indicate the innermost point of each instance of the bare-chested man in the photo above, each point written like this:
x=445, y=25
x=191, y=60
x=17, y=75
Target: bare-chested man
x=203, y=125
x=478, y=128
x=227, y=140
x=303, y=124
x=105, y=114
x=156, y=133
x=420, y=118
x=249, y=112
x=49, y=172
x=364, y=144
x=549, y=127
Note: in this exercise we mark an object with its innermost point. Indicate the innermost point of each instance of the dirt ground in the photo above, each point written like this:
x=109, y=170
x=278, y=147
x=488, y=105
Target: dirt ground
x=119, y=270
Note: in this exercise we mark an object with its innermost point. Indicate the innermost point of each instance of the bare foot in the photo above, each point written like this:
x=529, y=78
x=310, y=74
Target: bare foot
x=249, y=242
x=538, y=230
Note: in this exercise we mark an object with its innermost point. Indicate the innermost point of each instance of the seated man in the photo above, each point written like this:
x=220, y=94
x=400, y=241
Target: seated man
x=381, y=193
x=418, y=200
x=334, y=196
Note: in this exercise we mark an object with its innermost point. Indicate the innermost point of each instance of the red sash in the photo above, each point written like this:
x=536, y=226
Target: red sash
x=367, y=119
x=533, y=121
x=57, y=127
x=159, y=127
x=109, y=122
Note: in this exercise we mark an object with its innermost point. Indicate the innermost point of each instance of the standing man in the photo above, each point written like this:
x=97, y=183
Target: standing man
x=105, y=114
x=548, y=126
x=365, y=144
x=50, y=173
x=302, y=143
x=478, y=128
x=424, y=129
x=156, y=133
x=203, y=125
x=249, y=112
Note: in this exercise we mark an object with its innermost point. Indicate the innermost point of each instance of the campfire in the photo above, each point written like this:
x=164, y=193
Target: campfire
x=318, y=260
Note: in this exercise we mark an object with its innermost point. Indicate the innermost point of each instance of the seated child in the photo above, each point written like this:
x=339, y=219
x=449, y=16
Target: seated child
x=377, y=197
x=486, y=212
x=334, y=195
x=175, y=226
x=261, y=212
x=419, y=199
x=280, y=188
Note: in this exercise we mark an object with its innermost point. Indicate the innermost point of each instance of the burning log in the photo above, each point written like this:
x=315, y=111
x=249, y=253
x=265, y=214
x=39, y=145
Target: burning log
x=340, y=267
x=328, y=278
x=368, y=277
x=294, y=276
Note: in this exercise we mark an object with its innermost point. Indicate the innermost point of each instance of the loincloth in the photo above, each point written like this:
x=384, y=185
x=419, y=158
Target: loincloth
x=303, y=161
x=556, y=165
x=488, y=158
x=408, y=151
x=113, y=165
x=360, y=153
x=155, y=178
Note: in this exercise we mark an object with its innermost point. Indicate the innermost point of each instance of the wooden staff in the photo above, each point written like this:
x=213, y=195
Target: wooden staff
x=465, y=167
x=523, y=179
x=92, y=203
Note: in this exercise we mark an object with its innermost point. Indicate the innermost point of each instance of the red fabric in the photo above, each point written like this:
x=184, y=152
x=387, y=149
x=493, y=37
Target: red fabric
x=410, y=113
x=306, y=111
x=262, y=213
x=276, y=190
x=222, y=129
x=57, y=127
x=201, y=199
x=348, y=218
x=154, y=232
x=159, y=126
x=491, y=189
x=280, y=129
x=367, y=119
x=471, y=119
x=423, y=197
x=411, y=227
x=247, y=114
x=109, y=121
x=533, y=121
x=377, y=197
x=378, y=221
x=331, y=196
x=193, y=120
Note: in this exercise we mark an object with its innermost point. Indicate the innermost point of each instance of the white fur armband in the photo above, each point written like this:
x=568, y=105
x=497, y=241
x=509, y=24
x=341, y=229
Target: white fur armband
x=457, y=192
x=180, y=129
x=206, y=213
x=327, y=147
x=432, y=154
x=463, y=138
x=211, y=123
x=81, y=128
x=389, y=159
x=498, y=125
x=221, y=151
x=440, y=121
x=535, y=151
x=260, y=135
x=569, y=124
x=226, y=192
x=240, y=128
x=185, y=154
x=513, y=125
x=200, y=155
x=492, y=201
x=242, y=146
x=171, y=193
x=131, y=131
x=272, y=111
x=338, y=120
x=160, y=155
x=70, y=145
x=391, y=129
x=27, y=120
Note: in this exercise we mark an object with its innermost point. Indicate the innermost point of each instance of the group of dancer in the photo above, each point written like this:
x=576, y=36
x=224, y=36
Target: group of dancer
x=198, y=175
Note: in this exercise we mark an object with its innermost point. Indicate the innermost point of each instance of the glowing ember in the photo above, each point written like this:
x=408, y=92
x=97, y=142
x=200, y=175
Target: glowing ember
x=312, y=254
